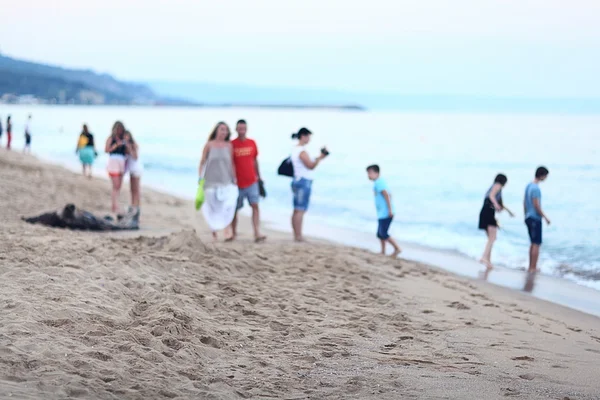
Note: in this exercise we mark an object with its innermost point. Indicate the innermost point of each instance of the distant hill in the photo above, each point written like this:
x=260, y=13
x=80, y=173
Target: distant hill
x=51, y=83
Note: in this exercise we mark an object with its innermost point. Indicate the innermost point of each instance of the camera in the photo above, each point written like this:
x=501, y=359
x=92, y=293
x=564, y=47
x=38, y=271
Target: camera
x=324, y=151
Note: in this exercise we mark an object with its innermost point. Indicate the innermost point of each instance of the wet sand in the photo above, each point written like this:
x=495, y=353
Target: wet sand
x=165, y=313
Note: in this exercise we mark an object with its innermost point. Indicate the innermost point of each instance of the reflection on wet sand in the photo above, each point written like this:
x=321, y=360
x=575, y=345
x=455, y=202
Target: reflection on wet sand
x=529, y=281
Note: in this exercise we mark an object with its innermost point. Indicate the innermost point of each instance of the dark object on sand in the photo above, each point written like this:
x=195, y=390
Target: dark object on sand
x=261, y=189
x=74, y=218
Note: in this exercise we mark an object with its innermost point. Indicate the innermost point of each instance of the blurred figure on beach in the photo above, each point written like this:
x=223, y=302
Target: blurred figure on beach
x=116, y=147
x=8, y=132
x=27, y=148
x=385, y=209
x=534, y=214
x=492, y=203
x=245, y=159
x=86, y=149
x=134, y=167
x=303, y=179
x=220, y=183
x=1, y=131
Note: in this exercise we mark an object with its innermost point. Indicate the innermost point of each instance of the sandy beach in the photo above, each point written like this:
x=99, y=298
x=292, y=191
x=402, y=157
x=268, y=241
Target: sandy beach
x=163, y=313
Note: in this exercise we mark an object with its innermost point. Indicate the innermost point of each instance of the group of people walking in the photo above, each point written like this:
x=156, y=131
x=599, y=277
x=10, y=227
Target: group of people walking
x=532, y=208
x=230, y=173
x=9, y=136
x=123, y=159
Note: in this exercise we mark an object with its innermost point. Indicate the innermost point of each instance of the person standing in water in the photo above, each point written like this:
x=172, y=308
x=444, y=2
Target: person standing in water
x=492, y=203
x=86, y=149
x=8, y=133
x=220, y=184
x=385, y=209
x=245, y=159
x=532, y=205
x=134, y=167
x=27, y=148
x=303, y=179
x=116, y=147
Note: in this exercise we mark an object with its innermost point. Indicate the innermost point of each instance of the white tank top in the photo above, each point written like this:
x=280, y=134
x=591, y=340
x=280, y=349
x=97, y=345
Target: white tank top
x=300, y=170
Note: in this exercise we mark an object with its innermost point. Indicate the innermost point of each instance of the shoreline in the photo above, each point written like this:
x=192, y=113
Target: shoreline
x=557, y=290
x=163, y=312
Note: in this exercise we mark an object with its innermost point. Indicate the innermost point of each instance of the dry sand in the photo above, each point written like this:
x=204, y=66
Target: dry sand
x=166, y=314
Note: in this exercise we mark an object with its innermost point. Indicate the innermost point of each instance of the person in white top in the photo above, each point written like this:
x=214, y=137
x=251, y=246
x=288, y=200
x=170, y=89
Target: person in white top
x=303, y=178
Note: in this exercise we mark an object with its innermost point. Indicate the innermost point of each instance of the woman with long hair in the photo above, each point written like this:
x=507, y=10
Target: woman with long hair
x=303, y=179
x=86, y=149
x=220, y=187
x=134, y=167
x=492, y=203
x=116, y=147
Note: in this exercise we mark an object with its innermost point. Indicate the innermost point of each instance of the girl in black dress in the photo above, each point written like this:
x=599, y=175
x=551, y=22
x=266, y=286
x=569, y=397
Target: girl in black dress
x=487, y=217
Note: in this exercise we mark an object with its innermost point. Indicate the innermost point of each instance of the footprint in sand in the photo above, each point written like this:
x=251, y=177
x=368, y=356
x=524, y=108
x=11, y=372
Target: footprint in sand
x=523, y=358
x=458, y=305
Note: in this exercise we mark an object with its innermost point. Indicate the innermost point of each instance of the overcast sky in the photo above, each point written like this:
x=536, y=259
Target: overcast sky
x=542, y=48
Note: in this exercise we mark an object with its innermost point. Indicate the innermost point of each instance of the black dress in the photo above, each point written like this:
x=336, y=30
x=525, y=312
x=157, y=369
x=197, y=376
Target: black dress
x=487, y=216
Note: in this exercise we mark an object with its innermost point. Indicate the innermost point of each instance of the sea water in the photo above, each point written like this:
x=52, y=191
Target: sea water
x=438, y=167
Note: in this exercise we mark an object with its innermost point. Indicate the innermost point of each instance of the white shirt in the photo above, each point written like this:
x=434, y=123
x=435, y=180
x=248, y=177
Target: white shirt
x=300, y=170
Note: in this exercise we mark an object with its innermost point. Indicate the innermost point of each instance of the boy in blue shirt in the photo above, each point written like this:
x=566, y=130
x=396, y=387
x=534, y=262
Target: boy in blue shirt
x=534, y=214
x=385, y=209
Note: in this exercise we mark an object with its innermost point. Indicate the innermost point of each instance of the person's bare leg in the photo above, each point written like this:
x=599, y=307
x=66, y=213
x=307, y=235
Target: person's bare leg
x=486, y=258
x=534, y=256
x=228, y=234
x=134, y=182
x=397, y=249
x=297, y=219
x=116, y=190
x=234, y=225
x=84, y=167
x=256, y=223
x=383, y=242
x=214, y=236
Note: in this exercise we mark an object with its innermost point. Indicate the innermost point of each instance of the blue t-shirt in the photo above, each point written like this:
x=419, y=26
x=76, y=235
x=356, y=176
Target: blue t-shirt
x=532, y=191
x=382, y=208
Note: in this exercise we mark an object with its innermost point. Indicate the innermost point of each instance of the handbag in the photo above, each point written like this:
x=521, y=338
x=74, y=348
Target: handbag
x=286, y=168
x=200, y=194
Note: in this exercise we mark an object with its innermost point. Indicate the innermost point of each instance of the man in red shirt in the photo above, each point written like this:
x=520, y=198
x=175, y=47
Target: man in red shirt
x=245, y=159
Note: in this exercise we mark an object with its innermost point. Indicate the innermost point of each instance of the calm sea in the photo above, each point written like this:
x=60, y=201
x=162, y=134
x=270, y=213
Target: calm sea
x=439, y=167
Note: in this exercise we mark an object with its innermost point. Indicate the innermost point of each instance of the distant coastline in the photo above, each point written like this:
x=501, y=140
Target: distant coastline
x=331, y=107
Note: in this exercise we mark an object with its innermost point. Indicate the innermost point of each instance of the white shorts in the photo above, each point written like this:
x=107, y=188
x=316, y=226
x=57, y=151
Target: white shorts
x=116, y=165
x=134, y=167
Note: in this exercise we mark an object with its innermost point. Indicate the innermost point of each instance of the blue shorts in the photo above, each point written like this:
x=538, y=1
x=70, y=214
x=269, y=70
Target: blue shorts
x=534, y=227
x=302, y=189
x=384, y=227
x=251, y=193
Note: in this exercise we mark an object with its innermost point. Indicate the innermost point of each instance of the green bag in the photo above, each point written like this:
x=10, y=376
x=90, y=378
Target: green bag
x=200, y=194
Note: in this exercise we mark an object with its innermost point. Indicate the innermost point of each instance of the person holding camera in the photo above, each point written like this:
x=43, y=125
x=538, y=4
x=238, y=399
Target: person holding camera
x=303, y=177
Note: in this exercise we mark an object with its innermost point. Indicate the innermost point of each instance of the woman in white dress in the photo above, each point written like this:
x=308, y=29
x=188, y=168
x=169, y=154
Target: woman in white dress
x=220, y=187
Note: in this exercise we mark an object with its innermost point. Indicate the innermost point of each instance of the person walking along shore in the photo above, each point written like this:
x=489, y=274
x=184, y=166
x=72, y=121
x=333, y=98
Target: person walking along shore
x=492, y=203
x=245, y=158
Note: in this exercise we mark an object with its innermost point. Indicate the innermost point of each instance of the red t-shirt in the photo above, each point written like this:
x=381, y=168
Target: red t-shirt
x=244, y=157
